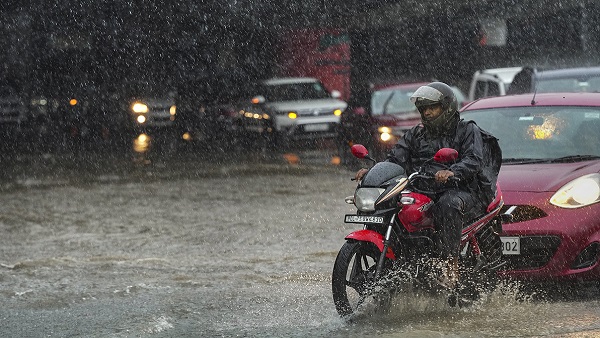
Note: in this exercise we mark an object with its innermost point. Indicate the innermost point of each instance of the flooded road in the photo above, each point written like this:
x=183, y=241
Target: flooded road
x=203, y=246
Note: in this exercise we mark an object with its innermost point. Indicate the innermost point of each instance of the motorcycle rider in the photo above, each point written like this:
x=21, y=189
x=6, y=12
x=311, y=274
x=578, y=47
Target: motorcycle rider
x=456, y=203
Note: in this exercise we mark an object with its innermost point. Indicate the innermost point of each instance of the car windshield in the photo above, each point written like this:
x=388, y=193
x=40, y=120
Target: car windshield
x=542, y=133
x=572, y=85
x=392, y=101
x=294, y=91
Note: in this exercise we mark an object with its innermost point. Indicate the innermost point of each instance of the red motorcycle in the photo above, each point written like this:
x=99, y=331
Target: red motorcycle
x=395, y=250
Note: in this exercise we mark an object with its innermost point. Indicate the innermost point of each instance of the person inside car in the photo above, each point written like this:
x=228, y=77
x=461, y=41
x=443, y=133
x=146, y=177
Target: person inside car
x=522, y=82
x=455, y=203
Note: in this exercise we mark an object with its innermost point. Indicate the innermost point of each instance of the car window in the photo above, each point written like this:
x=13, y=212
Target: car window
x=493, y=89
x=542, y=132
x=480, y=89
x=487, y=88
x=392, y=101
x=295, y=91
x=572, y=85
x=594, y=85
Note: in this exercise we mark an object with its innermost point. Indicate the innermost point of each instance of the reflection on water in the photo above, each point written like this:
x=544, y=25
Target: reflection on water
x=153, y=145
x=141, y=144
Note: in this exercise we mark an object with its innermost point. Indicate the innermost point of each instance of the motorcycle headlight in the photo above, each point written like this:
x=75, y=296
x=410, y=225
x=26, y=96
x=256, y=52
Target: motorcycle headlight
x=365, y=198
x=578, y=193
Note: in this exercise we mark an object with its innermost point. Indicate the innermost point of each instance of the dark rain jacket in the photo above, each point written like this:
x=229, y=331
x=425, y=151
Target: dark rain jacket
x=418, y=146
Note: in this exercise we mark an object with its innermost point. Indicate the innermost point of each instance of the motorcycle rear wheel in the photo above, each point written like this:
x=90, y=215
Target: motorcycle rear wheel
x=353, y=275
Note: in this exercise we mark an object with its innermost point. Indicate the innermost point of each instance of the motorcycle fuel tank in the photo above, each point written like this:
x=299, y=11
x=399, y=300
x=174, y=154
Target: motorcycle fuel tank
x=413, y=214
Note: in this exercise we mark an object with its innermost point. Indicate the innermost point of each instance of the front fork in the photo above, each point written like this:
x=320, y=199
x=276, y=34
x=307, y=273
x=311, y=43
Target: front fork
x=386, y=245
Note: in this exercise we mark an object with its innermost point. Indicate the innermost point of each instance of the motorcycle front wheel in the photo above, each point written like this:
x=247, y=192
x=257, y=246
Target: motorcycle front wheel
x=353, y=275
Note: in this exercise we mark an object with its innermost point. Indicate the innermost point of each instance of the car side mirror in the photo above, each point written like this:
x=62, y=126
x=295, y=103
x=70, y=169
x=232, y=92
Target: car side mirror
x=258, y=99
x=445, y=155
x=336, y=94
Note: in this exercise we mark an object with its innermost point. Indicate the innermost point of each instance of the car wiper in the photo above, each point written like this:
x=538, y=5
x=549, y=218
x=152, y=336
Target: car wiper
x=524, y=160
x=574, y=158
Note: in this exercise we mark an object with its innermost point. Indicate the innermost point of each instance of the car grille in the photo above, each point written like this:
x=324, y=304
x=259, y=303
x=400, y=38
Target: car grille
x=536, y=251
x=159, y=114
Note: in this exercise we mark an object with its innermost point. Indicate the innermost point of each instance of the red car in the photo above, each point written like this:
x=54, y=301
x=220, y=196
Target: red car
x=550, y=180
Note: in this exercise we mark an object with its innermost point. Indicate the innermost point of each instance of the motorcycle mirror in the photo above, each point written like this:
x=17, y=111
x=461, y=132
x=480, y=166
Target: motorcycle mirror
x=360, y=151
x=445, y=155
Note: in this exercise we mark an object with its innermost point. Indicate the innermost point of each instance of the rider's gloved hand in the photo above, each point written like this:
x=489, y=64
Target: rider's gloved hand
x=443, y=175
x=360, y=173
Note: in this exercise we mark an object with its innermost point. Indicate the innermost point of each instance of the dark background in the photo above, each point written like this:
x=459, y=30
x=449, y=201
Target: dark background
x=208, y=49
x=186, y=40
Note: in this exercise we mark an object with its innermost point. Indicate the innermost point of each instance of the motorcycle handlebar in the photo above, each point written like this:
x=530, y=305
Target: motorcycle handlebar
x=432, y=176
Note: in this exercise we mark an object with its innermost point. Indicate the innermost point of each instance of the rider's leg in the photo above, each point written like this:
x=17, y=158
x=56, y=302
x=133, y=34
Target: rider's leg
x=451, y=211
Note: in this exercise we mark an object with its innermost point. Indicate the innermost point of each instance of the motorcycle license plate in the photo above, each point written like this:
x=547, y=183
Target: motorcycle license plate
x=363, y=219
x=511, y=245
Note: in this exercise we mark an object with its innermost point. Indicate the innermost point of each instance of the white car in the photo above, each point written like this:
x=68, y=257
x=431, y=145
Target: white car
x=300, y=107
x=491, y=82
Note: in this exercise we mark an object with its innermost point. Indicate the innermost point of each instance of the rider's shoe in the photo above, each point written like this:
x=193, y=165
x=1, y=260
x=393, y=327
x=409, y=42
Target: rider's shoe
x=450, y=273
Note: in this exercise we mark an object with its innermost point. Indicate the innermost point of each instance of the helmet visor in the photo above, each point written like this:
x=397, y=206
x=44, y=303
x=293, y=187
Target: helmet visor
x=426, y=95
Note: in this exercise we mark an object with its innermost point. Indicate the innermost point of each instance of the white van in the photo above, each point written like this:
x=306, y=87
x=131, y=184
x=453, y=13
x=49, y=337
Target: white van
x=491, y=82
x=301, y=107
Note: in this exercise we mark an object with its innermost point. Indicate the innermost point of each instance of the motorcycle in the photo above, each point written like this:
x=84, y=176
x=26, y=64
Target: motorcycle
x=395, y=251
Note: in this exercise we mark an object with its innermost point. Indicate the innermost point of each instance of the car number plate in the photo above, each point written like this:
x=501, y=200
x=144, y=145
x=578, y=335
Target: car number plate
x=316, y=127
x=364, y=219
x=511, y=245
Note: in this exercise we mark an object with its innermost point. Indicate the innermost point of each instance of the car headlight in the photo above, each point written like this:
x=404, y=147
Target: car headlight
x=139, y=108
x=578, y=193
x=384, y=130
x=365, y=198
x=385, y=133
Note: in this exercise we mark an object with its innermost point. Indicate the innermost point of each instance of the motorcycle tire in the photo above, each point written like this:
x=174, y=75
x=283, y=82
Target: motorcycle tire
x=353, y=275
